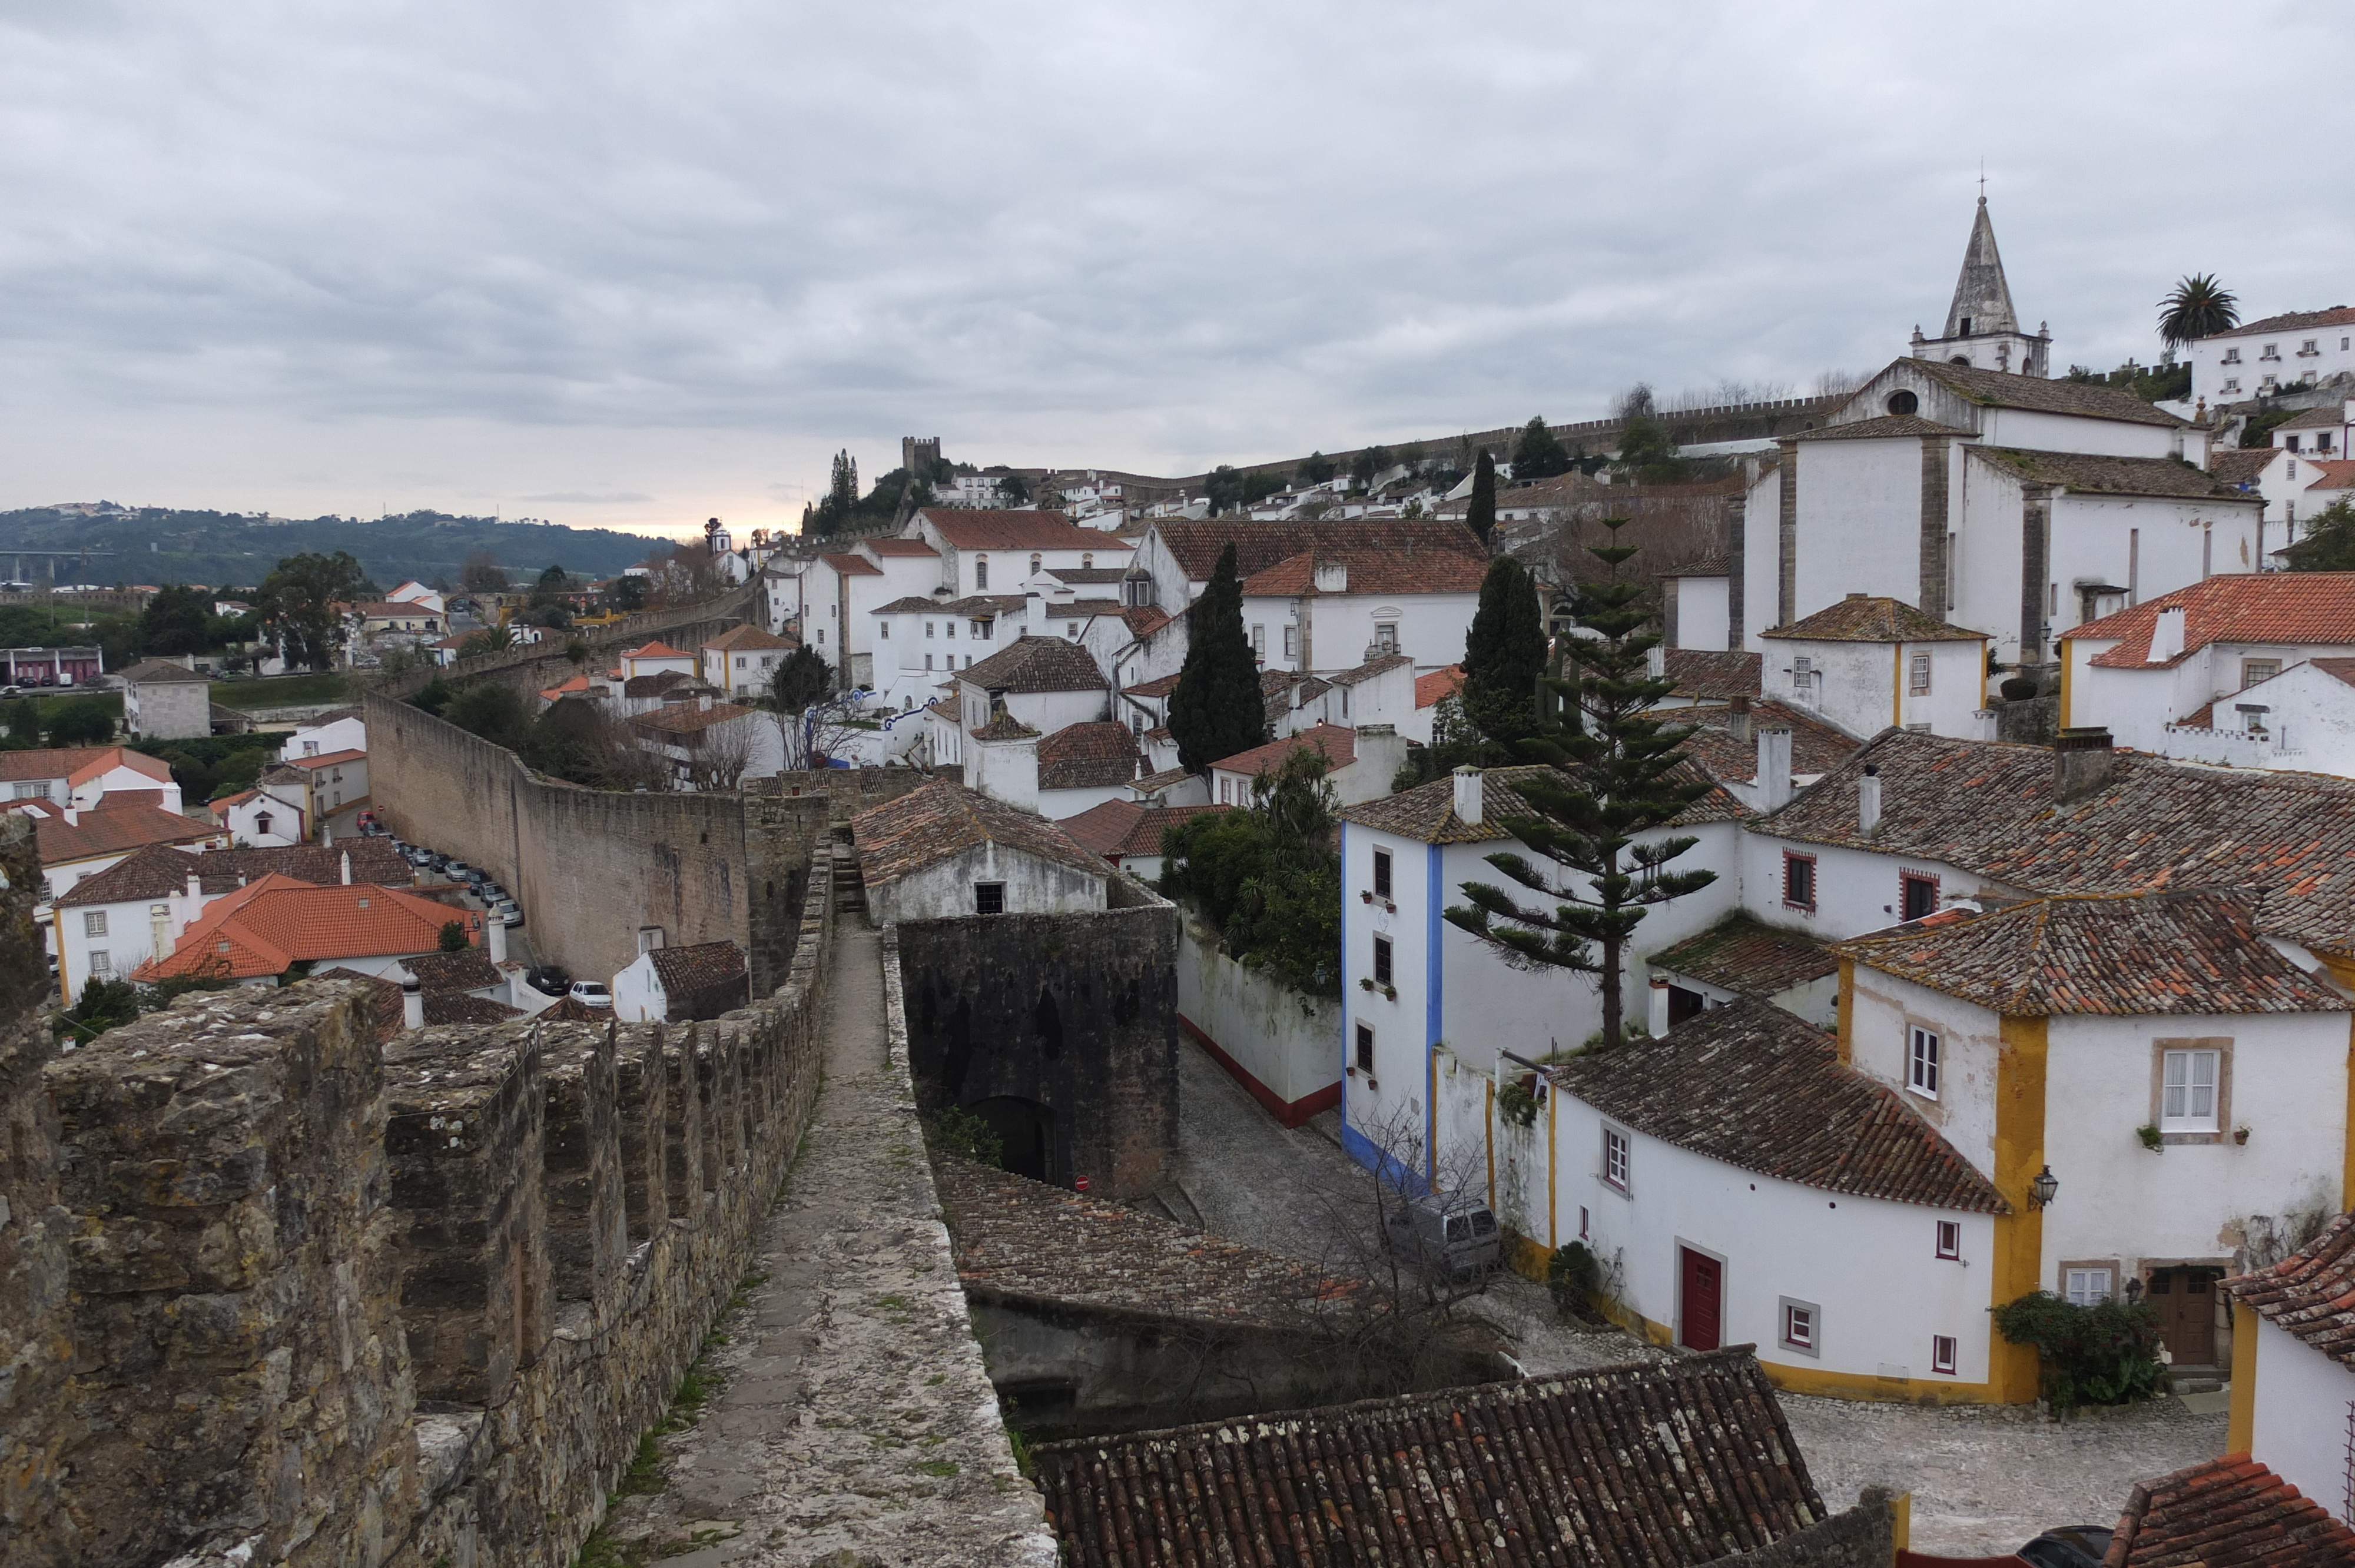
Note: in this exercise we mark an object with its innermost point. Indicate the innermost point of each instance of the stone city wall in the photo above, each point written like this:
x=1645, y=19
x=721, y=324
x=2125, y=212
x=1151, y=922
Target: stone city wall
x=1075, y=1014
x=272, y=1293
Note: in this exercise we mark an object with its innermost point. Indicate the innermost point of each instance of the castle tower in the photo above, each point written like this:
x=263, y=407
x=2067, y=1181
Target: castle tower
x=1982, y=330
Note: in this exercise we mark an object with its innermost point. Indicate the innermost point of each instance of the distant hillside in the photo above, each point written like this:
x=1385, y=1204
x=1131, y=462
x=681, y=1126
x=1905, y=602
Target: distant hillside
x=156, y=545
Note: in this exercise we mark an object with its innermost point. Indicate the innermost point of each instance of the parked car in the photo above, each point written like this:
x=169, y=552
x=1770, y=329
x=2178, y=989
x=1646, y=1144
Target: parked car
x=456, y=870
x=2069, y=1546
x=369, y=824
x=1449, y=1230
x=548, y=980
x=591, y=994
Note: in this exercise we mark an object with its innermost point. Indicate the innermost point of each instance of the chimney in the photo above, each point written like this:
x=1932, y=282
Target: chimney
x=2166, y=635
x=1773, y=770
x=196, y=892
x=1868, y=800
x=1468, y=796
x=73, y=816
x=412, y=1003
x=1659, y=1021
x=1655, y=663
x=1332, y=577
x=2081, y=760
x=1381, y=751
x=347, y=868
x=326, y=835
x=1737, y=723
x=495, y=938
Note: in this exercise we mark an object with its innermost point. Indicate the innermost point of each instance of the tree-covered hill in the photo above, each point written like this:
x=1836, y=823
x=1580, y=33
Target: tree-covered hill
x=160, y=544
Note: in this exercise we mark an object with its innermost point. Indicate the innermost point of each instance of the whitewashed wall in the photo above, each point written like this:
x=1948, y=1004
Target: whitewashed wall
x=1033, y=887
x=1288, y=1043
x=2302, y=1405
x=1856, y=890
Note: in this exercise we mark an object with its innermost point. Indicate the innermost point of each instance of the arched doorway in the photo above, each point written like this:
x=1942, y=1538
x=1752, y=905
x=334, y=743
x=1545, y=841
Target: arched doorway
x=1027, y=1130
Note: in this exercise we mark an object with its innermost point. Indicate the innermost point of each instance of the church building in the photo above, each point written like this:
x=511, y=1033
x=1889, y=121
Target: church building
x=1963, y=480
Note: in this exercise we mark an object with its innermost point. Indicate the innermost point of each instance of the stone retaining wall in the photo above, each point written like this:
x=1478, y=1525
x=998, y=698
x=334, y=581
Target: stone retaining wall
x=329, y=1302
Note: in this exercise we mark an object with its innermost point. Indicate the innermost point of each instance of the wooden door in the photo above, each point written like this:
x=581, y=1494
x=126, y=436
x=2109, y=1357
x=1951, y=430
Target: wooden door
x=1703, y=1287
x=2185, y=1299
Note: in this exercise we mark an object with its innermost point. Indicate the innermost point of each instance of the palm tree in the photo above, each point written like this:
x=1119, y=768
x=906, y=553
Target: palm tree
x=2198, y=306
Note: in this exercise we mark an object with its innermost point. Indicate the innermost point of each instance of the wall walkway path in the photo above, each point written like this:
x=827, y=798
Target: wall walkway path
x=855, y=1417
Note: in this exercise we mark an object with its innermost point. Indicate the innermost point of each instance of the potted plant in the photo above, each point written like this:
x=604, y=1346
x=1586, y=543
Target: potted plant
x=2152, y=1138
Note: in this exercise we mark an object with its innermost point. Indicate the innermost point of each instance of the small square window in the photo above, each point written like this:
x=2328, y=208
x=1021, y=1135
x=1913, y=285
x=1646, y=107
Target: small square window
x=2086, y=1287
x=1365, y=1048
x=989, y=898
x=1799, y=880
x=2187, y=1084
x=1922, y=1063
x=1381, y=873
x=1799, y=1324
x=101, y=963
x=1942, y=1353
x=1918, y=679
x=1382, y=960
x=2255, y=669
x=1917, y=896
x=1615, y=1158
x=1950, y=1238
x=93, y=923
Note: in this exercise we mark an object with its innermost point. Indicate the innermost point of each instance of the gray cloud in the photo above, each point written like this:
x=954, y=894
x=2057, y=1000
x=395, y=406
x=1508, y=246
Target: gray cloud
x=684, y=250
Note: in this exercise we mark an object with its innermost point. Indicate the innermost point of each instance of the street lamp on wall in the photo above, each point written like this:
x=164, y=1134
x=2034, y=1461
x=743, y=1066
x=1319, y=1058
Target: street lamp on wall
x=2042, y=1189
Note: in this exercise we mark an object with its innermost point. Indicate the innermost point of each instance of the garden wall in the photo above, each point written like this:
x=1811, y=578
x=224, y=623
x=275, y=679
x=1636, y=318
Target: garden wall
x=1281, y=1044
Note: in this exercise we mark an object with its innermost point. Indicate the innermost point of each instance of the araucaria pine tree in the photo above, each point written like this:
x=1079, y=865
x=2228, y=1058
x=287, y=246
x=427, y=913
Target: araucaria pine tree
x=1618, y=775
x=1217, y=709
x=1505, y=657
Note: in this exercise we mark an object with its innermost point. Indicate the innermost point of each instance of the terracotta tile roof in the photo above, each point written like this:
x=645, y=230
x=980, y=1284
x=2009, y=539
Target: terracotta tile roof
x=977, y=530
x=159, y=871
x=148, y=672
x=2115, y=954
x=2337, y=315
x=2001, y=389
x=80, y=763
x=2243, y=465
x=458, y=1007
x=1338, y=746
x=904, y=548
x=1118, y=828
x=2243, y=607
x=577, y=686
x=2341, y=669
x=1037, y=664
x=1003, y=726
x=851, y=566
x=567, y=1010
x=686, y=719
x=1868, y=618
x=2230, y=1513
x=2332, y=473
x=913, y=604
x=1089, y=755
x=1427, y=812
x=1816, y=746
x=1444, y=683
x=385, y=1010
x=1159, y=686
x=1742, y=956
x=748, y=638
x=657, y=649
x=1753, y=1086
x=1194, y=545
x=1713, y=564
x=1369, y=669
x=1375, y=571
x=2310, y=1293
x=1143, y=620
x=116, y=831
x=1166, y=778
x=1021, y=1240
x=1666, y=1465
x=703, y=981
x=2327, y=416
x=1879, y=427
x=469, y=971
x=1713, y=676
x=658, y=683
x=941, y=819
x=332, y=759
x=1986, y=806
x=269, y=925
x=2092, y=473
x=1087, y=577
x=985, y=606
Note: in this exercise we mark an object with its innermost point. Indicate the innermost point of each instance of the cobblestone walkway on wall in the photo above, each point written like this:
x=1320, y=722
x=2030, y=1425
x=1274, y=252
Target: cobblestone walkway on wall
x=855, y=1425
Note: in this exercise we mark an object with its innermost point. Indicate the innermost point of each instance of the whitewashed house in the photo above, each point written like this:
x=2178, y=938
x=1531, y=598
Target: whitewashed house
x=1864, y=664
x=945, y=851
x=1360, y=763
x=337, y=729
x=82, y=775
x=679, y=985
x=1335, y=608
x=1178, y=555
x=417, y=593
x=997, y=552
x=742, y=660
x=2279, y=478
x=2263, y=356
x=2294, y=1367
x=1694, y=604
x=1039, y=684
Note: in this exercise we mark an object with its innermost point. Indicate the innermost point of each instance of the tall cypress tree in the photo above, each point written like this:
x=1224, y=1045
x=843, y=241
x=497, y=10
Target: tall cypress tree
x=1617, y=774
x=1217, y=709
x=1504, y=656
x=1481, y=515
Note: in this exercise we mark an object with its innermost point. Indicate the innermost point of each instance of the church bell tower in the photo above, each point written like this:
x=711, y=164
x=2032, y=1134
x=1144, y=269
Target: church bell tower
x=1981, y=329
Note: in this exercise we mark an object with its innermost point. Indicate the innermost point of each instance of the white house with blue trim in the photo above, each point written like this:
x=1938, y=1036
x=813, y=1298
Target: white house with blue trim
x=1412, y=981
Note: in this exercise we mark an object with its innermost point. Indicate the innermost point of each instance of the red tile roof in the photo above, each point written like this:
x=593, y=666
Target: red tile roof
x=1447, y=683
x=2001, y=389
x=1037, y=664
x=1867, y=618
x=1666, y=1465
x=702, y=980
x=1089, y=757
x=2095, y=953
x=851, y=566
x=1143, y=620
x=1371, y=571
x=160, y=870
x=111, y=831
x=1880, y=427
x=1427, y=812
x=2243, y=465
x=2230, y=1513
x=1742, y=956
x=2242, y=606
x=905, y=547
x=332, y=759
x=929, y=825
x=977, y=530
x=2332, y=473
x=79, y=764
x=1753, y=1086
x=1159, y=686
x=1120, y=827
x=1195, y=545
x=2337, y=315
x=1707, y=676
x=2310, y=1293
x=1338, y=746
x=686, y=719
x=266, y=926
x=740, y=639
x=2098, y=474
x=657, y=649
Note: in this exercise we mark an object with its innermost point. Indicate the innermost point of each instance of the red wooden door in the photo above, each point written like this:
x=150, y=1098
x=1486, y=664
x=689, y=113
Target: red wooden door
x=1704, y=1286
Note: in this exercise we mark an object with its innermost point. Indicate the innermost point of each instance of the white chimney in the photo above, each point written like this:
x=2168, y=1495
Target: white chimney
x=196, y=892
x=1332, y=577
x=326, y=835
x=1774, y=782
x=1658, y=1021
x=495, y=938
x=72, y=815
x=347, y=868
x=412, y=1003
x=2166, y=635
x=1868, y=800
x=1656, y=663
x=1468, y=796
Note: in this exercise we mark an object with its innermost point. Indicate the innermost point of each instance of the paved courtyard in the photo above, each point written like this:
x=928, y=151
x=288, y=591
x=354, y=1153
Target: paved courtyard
x=1984, y=1481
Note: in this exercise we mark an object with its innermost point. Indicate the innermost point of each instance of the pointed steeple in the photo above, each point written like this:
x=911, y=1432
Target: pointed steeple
x=1982, y=299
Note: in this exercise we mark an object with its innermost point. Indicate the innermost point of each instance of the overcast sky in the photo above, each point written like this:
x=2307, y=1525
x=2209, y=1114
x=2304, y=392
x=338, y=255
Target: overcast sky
x=634, y=265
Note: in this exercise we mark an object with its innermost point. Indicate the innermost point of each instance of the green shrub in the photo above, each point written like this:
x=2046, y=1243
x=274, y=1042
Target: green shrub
x=951, y=1131
x=1516, y=1104
x=1574, y=1275
x=2104, y=1354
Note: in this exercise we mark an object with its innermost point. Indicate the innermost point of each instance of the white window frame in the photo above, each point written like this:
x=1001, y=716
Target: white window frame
x=93, y=922
x=1923, y=1067
x=1292, y=642
x=102, y=964
x=1945, y=1354
x=2180, y=1091
x=1386, y=637
x=1917, y=678
x=1799, y=1326
x=1618, y=1159
x=1363, y=1061
x=2079, y=1285
x=1950, y=1239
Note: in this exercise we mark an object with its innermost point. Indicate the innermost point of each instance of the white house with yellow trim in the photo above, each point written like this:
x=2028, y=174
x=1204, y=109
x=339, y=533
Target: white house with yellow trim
x=2293, y=1368
x=1866, y=662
